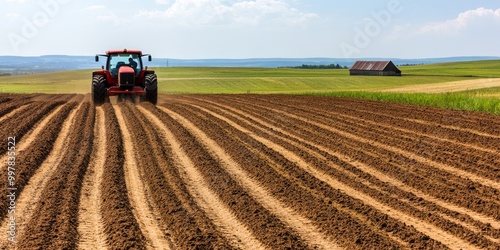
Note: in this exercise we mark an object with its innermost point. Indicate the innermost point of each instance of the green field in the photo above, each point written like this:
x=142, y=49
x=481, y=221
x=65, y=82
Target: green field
x=265, y=81
x=54, y=83
x=488, y=68
x=296, y=81
x=458, y=101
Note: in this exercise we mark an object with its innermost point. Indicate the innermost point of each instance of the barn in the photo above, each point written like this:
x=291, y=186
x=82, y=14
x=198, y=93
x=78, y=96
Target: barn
x=374, y=68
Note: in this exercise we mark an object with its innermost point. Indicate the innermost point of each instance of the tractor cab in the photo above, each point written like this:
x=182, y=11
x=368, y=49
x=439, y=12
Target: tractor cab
x=116, y=61
x=124, y=74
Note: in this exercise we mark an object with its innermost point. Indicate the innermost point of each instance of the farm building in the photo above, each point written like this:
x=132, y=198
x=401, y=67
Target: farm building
x=374, y=68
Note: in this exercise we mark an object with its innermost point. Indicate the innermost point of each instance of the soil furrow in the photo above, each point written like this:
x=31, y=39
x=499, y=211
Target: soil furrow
x=137, y=193
x=480, y=199
x=430, y=230
x=461, y=146
x=287, y=120
x=248, y=172
x=272, y=171
x=474, y=122
x=404, y=197
x=487, y=156
x=13, y=112
x=4, y=99
x=20, y=124
x=120, y=226
x=31, y=155
x=363, y=109
x=483, y=163
x=9, y=109
x=436, y=131
x=54, y=224
x=36, y=164
x=457, y=128
x=90, y=225
x=439, y=166
x=266, y=226
x=255, y=122
x=232, y=229
x=461, y=175
x=302, y=225
x=33, y=134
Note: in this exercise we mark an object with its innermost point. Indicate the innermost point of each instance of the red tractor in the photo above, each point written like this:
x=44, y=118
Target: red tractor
x=124, y=74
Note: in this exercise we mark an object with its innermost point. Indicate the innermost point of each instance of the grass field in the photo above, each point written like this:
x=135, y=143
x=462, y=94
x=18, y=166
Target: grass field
x=469, y=101
x=77, y=81
x=299, y=81
x=488, y=68
x=262, y=81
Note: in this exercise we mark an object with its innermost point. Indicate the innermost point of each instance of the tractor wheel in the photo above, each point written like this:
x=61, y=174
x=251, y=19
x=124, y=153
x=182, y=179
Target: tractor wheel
x=151, y=85
x=99, y=90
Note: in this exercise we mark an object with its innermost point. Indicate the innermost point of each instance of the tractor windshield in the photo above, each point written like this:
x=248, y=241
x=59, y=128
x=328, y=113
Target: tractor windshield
x=116, y=61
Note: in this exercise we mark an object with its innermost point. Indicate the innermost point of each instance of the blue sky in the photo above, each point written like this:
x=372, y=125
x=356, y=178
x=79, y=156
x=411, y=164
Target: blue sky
x=191, y=29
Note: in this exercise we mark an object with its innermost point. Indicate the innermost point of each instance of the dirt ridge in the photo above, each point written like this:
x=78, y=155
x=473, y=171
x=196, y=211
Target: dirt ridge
x=433, y=232
x=238, y=235
x=90, y=226
x=250, y=172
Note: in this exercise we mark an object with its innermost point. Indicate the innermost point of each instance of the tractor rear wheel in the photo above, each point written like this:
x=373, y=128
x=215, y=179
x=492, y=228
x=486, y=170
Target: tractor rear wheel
x=151, y=85
x=99, y=90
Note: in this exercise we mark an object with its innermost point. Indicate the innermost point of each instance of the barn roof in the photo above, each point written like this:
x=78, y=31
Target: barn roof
x=370, y=65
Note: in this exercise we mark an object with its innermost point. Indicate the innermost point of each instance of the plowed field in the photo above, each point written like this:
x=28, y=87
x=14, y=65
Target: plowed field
x=246, y=172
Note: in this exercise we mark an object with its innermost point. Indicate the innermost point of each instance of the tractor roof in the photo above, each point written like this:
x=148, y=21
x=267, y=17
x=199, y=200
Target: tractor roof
x=124, y=51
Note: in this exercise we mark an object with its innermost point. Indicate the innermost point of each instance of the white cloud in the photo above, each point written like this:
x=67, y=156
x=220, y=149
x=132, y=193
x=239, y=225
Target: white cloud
x=163, y=1
x=206, y=12
x=401, y=28
x=480, y=15
x=111, y=18
x=95, y=7
x=16, y=1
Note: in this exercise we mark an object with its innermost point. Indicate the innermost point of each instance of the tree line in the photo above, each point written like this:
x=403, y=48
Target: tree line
x=306, y=66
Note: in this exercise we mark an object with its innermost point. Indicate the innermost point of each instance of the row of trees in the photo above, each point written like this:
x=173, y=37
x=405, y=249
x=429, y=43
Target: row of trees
x=411, y=64
x=330, y=66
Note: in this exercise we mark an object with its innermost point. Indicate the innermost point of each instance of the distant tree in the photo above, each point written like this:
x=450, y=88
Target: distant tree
x=306, y=66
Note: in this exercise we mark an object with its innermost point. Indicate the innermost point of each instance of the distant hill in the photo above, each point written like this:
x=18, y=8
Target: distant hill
x=28, y=65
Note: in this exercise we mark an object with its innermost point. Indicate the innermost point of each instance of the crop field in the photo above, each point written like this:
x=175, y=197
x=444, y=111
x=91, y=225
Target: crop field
x=223, y=80
x=246, y=172
x=472, y=86
x=450, y=77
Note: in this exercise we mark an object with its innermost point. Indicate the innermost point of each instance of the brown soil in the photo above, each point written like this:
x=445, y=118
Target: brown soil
x=120, y=226
x=138, y=195
x=90, y=227
x=444, y=87
x=26, y=204
x=54, y=224
x=250, y=171
x=197, y=195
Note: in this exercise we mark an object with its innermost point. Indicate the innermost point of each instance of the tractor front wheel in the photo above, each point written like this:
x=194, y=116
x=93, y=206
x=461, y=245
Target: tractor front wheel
x=151, y=85
x=99, y=90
